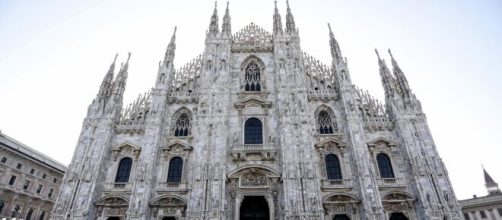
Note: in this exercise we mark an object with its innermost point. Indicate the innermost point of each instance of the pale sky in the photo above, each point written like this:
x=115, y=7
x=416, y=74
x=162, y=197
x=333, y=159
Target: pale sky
x=54, y=54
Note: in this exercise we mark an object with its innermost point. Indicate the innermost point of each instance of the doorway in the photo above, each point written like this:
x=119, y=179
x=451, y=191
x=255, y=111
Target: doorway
x=169, y=218
x=113, y=218
x=341, y=217
x=254, y=208
x=398, y=216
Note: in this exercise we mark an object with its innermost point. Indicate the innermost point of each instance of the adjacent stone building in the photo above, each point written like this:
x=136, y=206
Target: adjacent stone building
x=29, y=181
x=256, y=128
x=487, y=207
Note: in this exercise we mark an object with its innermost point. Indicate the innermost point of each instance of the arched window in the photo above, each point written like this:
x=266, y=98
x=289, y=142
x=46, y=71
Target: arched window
x=175, y=170
x=182, y=127
x=385, y=166
x=253, y=131
x=30, y=213
x=253, y=77
x=341, y=217
x=42, y=216
x=333, y=170
x=326, y=126
x=15, y=211
x=124, y=170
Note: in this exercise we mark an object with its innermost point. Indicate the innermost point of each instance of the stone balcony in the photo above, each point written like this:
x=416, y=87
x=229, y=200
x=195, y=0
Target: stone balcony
x=391, y=182
x=253, y=152
x=336, y=184
x=172, y=187
x=322, y=95
x=118, y=186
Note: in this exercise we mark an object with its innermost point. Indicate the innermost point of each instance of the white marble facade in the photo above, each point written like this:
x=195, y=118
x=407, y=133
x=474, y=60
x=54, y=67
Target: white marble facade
x=260, y=130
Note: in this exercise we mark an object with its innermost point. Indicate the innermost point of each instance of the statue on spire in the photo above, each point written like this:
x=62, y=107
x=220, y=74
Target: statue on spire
x=290, y=21
x=170, y=51
x=106, y=85
x=400, y=77
x=213, y=25
x=336, y=53
x=226, y=28
x=491, y=186
x=388, y=80
x=277, y=21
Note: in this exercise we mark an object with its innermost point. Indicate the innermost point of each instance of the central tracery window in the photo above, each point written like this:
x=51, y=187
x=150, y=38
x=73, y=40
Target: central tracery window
x=182, y=125
x=326, y=126
x=253, y=77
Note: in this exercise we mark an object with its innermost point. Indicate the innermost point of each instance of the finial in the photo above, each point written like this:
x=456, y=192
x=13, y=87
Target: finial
x=390, y=54
x=175, y=28
x=228, y=3
x=287, y=3
x=128, y=56
x=215, y=5
x=115, y=59
x=378, y=55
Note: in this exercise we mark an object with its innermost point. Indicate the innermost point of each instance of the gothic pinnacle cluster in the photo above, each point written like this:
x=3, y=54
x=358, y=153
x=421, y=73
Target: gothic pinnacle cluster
x=255, y=126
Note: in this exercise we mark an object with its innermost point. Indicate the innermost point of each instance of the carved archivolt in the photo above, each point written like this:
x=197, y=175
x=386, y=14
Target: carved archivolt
x=126, y=150
x=397, y=201
x=331, y=145
x=176, y=147
x=340, y=204
x=254, y=177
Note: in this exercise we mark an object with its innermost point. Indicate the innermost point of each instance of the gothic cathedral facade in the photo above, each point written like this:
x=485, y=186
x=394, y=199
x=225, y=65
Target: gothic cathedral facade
x=255, y=128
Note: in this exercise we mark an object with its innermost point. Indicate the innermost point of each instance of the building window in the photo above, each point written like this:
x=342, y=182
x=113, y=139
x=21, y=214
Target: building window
x=253, y=77
x=124, y=170
x=32, y=171
x=333, y=167
x=500, y=211
x=12, y=180
x=19, y=166
x=482, y=213
x=182, y=125
x=44, y=176
x=326, y=126
x=4, y=159
x=42, y=216
x=50, y=193
x=39, y=189
x=175, y=170
x=15, y=211
x=253, y=131
x=1, y=207
x=55, y=180
x=466, y=216
x=384, y=166
x=26, y=184
x=30, y=213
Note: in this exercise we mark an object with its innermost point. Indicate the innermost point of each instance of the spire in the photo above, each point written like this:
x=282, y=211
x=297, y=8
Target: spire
x=106, y=85
x=121, y=79
x=277, y=20
x=226, y=28
x=491, y=186
x=213, y=25
x=170, y=51
x=336, y=53
x=387, y=79
x=290, y=21
x=400, y=77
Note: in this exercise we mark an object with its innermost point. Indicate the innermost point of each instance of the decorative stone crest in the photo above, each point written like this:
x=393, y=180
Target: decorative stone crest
x=126, y=150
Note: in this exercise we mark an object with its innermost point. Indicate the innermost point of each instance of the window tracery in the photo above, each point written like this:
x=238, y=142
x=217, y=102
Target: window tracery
x=253, y=77
x=182, y=125
x=326, y=126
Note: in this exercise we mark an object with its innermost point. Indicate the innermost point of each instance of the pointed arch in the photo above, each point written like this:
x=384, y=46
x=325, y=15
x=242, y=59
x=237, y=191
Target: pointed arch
x=385, y=166
x=253, y=68
x=124, y=170
x=333, y=170
x=182, y=122
x=325, y=120
x=175, y=171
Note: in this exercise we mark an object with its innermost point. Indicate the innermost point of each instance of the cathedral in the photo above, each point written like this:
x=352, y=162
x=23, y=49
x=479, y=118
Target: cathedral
x=255, y=128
